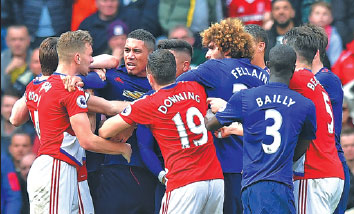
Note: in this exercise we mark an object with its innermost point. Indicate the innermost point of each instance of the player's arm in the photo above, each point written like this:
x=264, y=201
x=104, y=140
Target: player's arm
x=89, y=141
x=213, y=124
x=19, y=113
x=104, y=61
x=100, y=105
x=146, y=143
x=113, y=126
x=308, y=132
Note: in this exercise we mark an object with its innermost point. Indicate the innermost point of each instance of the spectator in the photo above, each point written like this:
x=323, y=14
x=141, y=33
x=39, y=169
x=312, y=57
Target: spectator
x=20, y=146
x=97, y=23
x=44, y=18
x=321, y=15
x=81, y=10
x=251, y=12
x=117, y=35
x=184, y=33
x=347, y=121
x=347, y=141
x=344, y=67
x=145, y=15
x=25, y=165
x=283, y=15
x=10, y=187
x=33, y=70
x=196, y=15
x=343, y=15
x=15, y=59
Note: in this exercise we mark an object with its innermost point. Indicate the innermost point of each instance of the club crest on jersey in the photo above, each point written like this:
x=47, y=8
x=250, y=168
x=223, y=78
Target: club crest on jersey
x=132, y=94
x=127, y=110
x=81, y=101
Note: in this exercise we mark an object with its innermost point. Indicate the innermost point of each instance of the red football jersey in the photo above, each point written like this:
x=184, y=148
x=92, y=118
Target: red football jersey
x=321, y=158
x=249, y=11
x=175, y=116
x=55, y=106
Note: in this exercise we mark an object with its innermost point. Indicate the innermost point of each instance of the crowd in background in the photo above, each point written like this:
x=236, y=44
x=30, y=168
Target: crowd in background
x=26, y=23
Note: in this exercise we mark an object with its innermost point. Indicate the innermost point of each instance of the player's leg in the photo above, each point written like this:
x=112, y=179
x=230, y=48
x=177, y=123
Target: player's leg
x=52, y=186
x=342, y=206
x=268, y=197
x=85, y=200
x=232, y=200
x=215, y=201
x=317, y=195
x=187, y=199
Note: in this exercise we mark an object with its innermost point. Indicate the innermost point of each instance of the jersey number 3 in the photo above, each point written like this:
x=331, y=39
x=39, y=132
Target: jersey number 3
x=273, y=131
x=196, y=129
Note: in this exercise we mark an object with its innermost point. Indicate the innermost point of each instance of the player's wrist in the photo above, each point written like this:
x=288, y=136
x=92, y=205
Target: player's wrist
x=162, y=177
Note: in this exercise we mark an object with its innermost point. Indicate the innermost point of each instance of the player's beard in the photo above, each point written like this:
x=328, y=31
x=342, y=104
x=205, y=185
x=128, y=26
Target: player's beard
x=284, y=24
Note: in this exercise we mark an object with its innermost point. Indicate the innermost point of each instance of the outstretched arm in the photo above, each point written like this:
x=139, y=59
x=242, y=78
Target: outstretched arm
x=100, y=105
x=89, y=141
x=113, y=126
x=19, y=113
x=104, y=61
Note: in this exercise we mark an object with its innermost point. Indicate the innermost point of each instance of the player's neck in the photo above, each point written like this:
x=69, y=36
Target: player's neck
x=316, y=67
x=273, y=79
x=258, y=61
x=158, y=87
x=302, y=65
x=66, y=68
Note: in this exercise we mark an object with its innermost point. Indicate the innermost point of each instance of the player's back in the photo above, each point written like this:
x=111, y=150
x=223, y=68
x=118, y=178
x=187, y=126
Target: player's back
x=273, y=116
x=321, y=159
x=55, y=107
x=32, y=98
x=222, y=78
x=176, y=117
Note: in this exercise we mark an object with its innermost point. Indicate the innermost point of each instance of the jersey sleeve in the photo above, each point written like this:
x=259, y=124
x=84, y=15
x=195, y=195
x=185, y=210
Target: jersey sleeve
x=92, y=81
x=146, y=146
x=138, y=112
x=204, y=74
x=233, y=110
x=309, y=128
x=75, y=102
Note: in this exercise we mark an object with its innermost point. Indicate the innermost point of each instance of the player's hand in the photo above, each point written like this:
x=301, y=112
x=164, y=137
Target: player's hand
x=216, y=104
x=71, y=82
x=124, y=135
x=128, y=152
x=235, y=128
x=101, y=72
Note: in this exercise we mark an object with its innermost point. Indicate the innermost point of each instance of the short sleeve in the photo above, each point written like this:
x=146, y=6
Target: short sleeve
x=310, y=126
x=75, y=102
x=233, y=110
x=204, y=74
x=138, y=112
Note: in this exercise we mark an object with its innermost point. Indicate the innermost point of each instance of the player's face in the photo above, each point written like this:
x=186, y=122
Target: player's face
x=282, y=12
x=320, y=16
x=20, y=146
x=86, y=59
x=214, y=52
x=136, y=57
x=7, y=103
x=347, y=142
x=107, y=8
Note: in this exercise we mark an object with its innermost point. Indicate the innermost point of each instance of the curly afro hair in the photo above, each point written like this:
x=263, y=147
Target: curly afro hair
x=229, y=35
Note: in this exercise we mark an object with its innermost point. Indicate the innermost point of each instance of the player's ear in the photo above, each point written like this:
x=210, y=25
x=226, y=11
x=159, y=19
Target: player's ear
x=77, y=58
x=186, y=66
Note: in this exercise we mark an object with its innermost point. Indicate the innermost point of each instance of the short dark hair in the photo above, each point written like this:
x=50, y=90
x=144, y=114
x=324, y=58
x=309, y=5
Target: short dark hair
x=304, y=43
x=258, y=33
x=162, y=65
x=48, y=56
x=282, y=59
x=145, y=36
x=11, y=92
x=321, y=36
x=176, y=45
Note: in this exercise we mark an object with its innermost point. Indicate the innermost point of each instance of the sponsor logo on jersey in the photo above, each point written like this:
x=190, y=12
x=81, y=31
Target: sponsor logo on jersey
x=81, y=101
x=127, y=111
x=46, y=86
x=132, y=94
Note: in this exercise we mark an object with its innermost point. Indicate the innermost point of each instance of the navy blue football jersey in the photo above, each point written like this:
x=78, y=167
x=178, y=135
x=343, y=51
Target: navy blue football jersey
x=333, y=86
x=119, y=85
x=222, y=78
x=273, y=117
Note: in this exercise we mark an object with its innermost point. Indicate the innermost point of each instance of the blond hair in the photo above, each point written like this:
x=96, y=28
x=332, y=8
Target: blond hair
x=229, y=35
x=72, y=42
